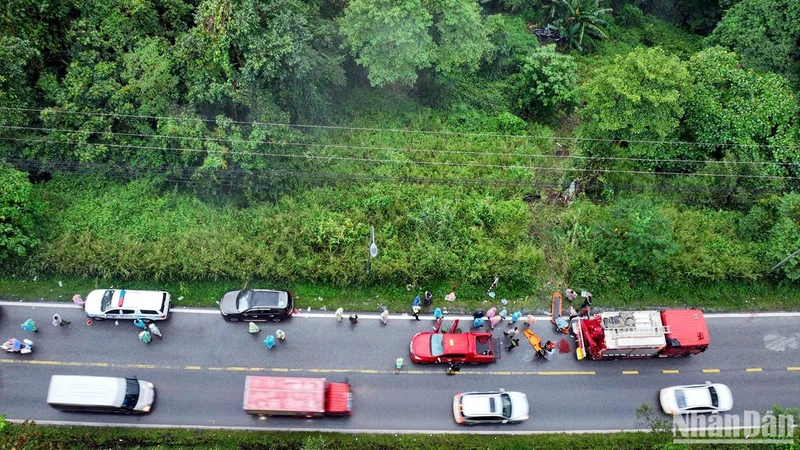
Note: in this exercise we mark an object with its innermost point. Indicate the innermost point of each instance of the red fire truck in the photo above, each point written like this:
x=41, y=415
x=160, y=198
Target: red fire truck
x=292, y=396
x=641, y=334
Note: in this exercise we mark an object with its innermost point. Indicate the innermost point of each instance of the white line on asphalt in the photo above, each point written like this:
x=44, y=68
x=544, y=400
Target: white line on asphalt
x=404, y=316
x=312, y=429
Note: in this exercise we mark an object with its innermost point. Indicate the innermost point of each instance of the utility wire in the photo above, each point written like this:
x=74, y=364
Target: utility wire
x=411, y=161
x=398, y=149
x=402, y=131
x=186, y=174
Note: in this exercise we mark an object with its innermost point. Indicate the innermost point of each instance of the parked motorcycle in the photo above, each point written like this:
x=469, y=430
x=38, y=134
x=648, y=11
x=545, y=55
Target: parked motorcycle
x=16, y=346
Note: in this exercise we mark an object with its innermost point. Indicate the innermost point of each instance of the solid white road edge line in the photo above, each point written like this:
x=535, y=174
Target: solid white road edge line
x=405, y=315
x=312, y=429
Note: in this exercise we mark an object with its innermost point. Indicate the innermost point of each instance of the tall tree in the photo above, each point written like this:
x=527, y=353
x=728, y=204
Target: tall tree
x=395, y=39
x=765, y=33
x=389, y=37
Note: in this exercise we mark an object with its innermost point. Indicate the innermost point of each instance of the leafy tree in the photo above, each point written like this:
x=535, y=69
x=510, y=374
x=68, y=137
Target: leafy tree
x=18, y=213
x=257, y=54
x=393, y=39
x=580, y=21
x=42, y=24
x=149, y=76
x=389, y=37
x=636, y=97
x=18, y=61
x=765, y=33
x=731, y=105
x=548, y=82
x=461, y=37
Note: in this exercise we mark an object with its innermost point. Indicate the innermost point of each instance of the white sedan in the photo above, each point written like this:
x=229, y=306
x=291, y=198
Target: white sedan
x=696, y=398
x=472, y=408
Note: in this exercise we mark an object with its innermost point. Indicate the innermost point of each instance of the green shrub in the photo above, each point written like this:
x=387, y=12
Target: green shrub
x=321, y=235
x=19, y=212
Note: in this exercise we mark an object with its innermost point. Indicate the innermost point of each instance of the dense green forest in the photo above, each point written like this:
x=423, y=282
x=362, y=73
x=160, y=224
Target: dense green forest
x=600, y=144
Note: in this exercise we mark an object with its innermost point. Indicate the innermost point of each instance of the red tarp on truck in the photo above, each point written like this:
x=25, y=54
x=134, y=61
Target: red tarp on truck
x=284, y=395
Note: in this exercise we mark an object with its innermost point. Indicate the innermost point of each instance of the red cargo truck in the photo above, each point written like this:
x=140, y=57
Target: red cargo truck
x=292, y=396
x=641, y=334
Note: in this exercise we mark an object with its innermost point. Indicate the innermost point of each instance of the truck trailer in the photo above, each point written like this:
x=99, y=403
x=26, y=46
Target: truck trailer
x=641, y=334
x=293, y=396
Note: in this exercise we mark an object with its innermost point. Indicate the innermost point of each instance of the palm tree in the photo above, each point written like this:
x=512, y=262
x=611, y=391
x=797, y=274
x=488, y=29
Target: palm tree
x=580, y=18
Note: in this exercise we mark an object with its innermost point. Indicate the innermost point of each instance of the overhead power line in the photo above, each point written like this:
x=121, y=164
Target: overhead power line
x=411, y=161
x=396, y=149
x=235, y=177
x=405, y=131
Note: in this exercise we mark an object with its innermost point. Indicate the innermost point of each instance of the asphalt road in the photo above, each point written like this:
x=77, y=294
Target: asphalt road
x=200, y=365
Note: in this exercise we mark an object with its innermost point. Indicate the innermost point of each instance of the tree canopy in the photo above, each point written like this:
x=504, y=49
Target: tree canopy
x=394, y=40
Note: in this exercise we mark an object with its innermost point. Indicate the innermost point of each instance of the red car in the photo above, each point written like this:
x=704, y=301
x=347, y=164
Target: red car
x=471, y=348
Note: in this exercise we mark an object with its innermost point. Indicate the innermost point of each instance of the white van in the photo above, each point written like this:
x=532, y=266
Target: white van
x=100, y=394
x=124, y=304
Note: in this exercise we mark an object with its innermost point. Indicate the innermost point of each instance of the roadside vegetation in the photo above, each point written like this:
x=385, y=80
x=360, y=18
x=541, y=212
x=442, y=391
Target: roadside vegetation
x=30, y=436
x=643, y=151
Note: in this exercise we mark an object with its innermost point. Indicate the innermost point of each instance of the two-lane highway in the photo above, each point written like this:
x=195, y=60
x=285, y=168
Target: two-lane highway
x=200, y=365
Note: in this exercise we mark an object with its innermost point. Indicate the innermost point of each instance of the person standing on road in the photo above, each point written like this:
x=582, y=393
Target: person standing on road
x=512, y=344
x=145, y=337
x=280, y=334
x=415, y=311
x=453, y=367
x=353, y=319
x=428, y=298
x=156, y=331
x=571, y=295
x=29, y=325
x=338, y=314
x=514, y=318
x=385, y=317
x=510, y=333
x=58, y=321
x=253, y=328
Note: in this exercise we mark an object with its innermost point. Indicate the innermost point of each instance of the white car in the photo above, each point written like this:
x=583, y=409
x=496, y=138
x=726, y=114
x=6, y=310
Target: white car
x=127, y=304
x=696, y=398
x=490, y=407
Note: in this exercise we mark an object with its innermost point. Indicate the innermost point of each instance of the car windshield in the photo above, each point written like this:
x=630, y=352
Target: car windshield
x=105, y=304
x=714, y=398
x=506, y=405
x=131, y=394
x=437, y=344
x=680, y=398
x=243, y=300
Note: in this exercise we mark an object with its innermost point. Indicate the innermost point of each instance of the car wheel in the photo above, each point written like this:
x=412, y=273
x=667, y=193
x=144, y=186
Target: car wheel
x=233, y=320
x=276, y=319
x=96, y=319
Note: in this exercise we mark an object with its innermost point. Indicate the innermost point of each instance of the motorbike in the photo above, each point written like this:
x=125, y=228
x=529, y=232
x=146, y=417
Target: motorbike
x=16, y=346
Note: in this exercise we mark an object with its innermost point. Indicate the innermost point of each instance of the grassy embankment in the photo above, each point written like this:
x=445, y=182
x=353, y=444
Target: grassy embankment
x=711, y=297
x=35, y=437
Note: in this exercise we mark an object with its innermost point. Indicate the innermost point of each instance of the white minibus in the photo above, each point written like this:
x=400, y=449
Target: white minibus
x=100, y=394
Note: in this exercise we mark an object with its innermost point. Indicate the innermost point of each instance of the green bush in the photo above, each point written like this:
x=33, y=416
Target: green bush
x=321, y=235
x=785, y=235
x=19, y=212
